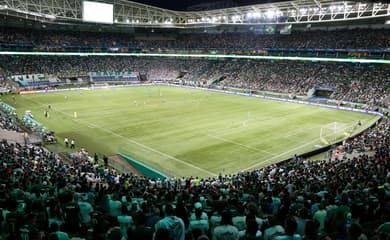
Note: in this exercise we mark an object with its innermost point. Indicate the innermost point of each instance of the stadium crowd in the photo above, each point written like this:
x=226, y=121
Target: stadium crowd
x=43, y=197
x=359, y=83
x=7, y=122
x=338, y=39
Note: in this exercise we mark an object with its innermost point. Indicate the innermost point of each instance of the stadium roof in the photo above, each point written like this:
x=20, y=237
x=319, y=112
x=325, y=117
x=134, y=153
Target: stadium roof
x=183, y=5
x=127, y=13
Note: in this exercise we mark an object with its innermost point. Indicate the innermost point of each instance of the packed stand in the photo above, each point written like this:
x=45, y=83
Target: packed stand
x=338, y=39
x=359, y=83
x=7, y=122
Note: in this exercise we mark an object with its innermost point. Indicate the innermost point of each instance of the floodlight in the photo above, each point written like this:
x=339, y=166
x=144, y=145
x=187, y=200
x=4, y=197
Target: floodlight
x=362, y=5
x=51, y=17
x=270, y=13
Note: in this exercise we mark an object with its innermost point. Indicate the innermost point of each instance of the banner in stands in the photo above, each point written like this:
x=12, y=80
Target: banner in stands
x=28, y=77
x=115, y=76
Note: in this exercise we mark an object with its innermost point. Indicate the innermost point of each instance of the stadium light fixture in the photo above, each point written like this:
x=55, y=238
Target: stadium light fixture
x=168, y=21
x=303, y=11
x=51, y=17
x=270, y=13
x=362, y=5
x=292, y=12
x=236, y=18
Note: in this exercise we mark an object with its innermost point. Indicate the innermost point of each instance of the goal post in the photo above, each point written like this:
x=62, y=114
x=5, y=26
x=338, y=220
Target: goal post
x=335, y=131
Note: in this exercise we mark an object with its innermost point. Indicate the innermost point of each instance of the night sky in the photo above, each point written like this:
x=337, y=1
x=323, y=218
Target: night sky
x=183, y=4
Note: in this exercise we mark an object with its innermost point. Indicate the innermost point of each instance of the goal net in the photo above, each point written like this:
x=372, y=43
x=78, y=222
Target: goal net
x=333, y=132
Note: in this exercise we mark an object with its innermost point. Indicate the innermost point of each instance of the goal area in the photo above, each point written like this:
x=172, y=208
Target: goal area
x=336, y=131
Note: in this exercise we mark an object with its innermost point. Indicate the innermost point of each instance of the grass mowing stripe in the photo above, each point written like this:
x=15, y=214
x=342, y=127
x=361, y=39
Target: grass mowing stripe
x=305, y=143
x=178, y=124
x=282, y=154
x=130, y=140
x=239, y=144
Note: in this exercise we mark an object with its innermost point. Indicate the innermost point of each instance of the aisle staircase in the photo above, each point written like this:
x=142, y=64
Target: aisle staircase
x=199, y=74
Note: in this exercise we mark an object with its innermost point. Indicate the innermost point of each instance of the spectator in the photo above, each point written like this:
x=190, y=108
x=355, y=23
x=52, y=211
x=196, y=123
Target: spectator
x=172, y=224
x=226, y=231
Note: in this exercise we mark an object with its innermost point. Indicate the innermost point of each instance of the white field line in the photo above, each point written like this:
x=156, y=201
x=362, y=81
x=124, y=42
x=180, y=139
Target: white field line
x=277, y=156
x=299, y=131
x=239, y=144
x=131, y=141
x=283, y=153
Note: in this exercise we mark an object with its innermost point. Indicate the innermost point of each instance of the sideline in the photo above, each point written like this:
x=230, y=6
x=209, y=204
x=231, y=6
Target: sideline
x=335, y=107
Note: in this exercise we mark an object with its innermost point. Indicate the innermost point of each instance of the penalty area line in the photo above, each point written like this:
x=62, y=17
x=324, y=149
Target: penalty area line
x=281, y=154
x=240, y=144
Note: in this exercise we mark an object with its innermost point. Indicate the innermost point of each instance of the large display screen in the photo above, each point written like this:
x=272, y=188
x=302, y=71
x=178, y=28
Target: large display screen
x=98, y=12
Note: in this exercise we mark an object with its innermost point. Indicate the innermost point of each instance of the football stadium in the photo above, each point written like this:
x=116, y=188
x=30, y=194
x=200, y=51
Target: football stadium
x=194, y=120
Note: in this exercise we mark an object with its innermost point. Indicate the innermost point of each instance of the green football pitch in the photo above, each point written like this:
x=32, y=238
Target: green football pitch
x=186, y=132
